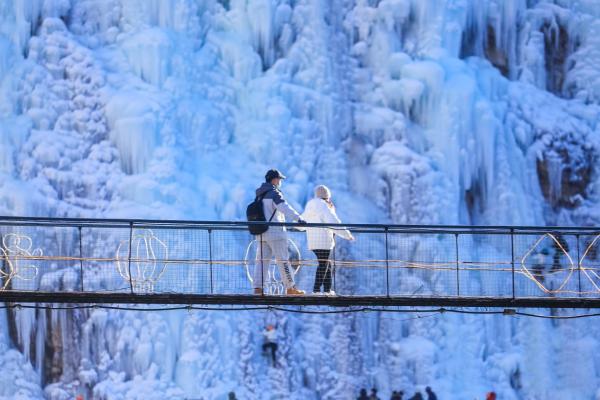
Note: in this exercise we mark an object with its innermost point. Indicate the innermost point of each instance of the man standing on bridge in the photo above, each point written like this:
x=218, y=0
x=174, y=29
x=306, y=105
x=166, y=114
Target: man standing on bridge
x=274, y=241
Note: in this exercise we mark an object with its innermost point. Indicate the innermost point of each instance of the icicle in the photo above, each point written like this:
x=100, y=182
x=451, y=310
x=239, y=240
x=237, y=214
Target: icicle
x=261, y=18
x=134, y=131
x=555, y=174
x=149, y=54
x=432, y=76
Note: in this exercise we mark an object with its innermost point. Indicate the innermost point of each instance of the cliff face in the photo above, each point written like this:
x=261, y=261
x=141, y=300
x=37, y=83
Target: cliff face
x=417, y=112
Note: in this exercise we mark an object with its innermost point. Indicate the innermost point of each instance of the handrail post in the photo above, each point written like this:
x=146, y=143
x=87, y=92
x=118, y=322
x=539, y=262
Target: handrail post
x=210, y=259
x=80, y=258
x=3, y=267
x=457, y=268
x=129, y=256
x=578, y=266
x=262, y=265
x=387, y=263
x=333, y=272
x=512, y=259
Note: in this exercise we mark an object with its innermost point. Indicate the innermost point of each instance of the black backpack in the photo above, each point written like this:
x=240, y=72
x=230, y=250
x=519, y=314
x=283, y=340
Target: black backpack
x=256, y=213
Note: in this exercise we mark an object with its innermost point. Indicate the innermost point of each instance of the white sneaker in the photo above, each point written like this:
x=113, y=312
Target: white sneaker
x=330, y=293
x=317, y=294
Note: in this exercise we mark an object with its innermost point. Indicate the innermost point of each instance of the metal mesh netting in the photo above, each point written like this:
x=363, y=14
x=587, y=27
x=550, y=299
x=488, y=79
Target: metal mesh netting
x=205, y=259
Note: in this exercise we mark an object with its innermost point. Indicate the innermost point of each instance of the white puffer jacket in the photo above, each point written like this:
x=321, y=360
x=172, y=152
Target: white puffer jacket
x=318, y=211
x=270, y=335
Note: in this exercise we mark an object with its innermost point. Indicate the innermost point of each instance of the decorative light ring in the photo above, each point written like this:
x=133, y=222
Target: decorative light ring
x=16, y=251
x=148, y=268
x=530, y=275
x=593, y=272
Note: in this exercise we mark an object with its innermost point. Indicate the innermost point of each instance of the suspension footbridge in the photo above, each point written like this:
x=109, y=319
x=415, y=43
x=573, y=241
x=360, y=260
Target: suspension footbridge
x=110, y=261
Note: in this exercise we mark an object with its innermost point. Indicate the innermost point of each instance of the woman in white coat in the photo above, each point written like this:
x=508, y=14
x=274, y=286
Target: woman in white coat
x=321, y=241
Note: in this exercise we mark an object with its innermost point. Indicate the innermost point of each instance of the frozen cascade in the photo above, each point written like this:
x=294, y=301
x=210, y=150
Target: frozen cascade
x=441, y=111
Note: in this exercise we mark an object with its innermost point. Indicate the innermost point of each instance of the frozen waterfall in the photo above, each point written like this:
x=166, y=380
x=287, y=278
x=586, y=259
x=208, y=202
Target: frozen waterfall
x=412, y=111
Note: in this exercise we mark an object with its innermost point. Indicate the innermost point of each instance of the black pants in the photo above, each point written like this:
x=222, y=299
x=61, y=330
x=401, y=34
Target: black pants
x=323, y=277
x=273, y=347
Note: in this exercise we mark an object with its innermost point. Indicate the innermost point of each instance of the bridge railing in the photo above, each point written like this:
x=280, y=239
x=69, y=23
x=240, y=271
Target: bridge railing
x=204, y=258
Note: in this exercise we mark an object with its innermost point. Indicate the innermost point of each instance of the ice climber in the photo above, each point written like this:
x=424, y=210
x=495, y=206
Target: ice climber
x=270, y=335
x=274, y=241
x=539, y=265
x=321, y=241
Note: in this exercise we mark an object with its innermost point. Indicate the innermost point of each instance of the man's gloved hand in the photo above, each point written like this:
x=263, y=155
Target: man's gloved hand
x=301, y=221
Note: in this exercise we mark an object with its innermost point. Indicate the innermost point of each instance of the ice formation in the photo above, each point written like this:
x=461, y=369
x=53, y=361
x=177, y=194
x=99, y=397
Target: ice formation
x=413, y=112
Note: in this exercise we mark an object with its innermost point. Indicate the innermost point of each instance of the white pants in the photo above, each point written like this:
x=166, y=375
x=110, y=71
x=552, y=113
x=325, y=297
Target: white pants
x=265, y=251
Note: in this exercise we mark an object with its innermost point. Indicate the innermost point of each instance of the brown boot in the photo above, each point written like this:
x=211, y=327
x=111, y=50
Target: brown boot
x=258, y=291
x=294, y=292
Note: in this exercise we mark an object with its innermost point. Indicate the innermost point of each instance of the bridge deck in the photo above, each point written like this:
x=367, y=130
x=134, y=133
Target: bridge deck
x=333, y=301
